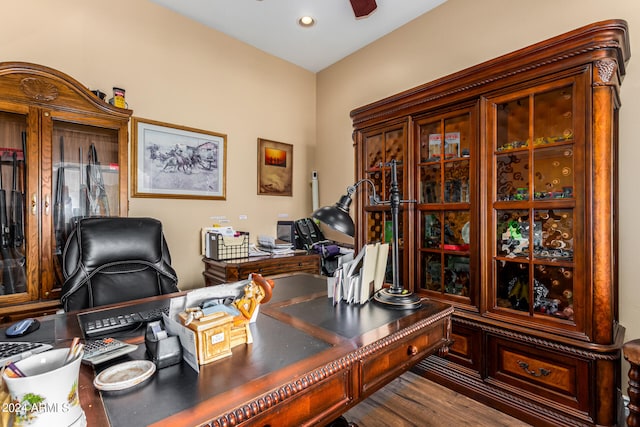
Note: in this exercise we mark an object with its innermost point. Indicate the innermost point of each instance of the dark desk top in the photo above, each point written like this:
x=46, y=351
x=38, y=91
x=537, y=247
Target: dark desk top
x=297, y=332
x=177, y=388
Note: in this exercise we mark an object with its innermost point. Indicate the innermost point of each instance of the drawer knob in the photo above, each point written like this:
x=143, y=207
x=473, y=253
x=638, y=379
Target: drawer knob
x=412, y=350
x=542, y=372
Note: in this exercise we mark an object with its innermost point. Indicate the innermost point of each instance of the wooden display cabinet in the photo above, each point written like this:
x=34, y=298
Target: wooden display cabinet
x=64, y=156
x=513, y=168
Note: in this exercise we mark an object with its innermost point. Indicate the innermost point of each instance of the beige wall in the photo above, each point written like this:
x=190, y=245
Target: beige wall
x=460, y=34
x=180, y=72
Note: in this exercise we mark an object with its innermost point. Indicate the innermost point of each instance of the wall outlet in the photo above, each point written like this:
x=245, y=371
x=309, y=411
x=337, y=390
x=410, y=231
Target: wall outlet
x=243, y=217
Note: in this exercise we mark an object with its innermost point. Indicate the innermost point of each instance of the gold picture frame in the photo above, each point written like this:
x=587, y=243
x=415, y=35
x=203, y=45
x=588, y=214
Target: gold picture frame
x=179, y=162
x=275, y=168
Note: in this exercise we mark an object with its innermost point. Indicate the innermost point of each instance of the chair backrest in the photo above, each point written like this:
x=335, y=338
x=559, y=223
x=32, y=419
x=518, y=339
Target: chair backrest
x=115, y=259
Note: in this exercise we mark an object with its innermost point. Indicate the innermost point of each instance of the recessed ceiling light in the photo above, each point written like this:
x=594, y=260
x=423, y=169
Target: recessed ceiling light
x=306, y=21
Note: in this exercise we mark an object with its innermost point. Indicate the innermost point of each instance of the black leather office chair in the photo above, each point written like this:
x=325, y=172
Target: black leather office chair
x=115, y=259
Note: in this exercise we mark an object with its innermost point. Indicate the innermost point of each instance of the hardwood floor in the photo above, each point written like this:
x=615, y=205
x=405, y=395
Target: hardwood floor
x=411, y=400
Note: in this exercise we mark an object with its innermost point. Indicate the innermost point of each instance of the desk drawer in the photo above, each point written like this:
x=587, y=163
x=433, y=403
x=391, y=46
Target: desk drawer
x=541, y=371
x=381, y=368
x=217, y=272
x=319, y=400
x=298, y=264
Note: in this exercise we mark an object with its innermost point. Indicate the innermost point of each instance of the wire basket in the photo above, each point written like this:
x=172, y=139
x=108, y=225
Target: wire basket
x=221, y=247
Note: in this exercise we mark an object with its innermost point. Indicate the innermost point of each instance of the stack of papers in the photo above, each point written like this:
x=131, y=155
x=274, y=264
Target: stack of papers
x=274, y=246
x=356, y=281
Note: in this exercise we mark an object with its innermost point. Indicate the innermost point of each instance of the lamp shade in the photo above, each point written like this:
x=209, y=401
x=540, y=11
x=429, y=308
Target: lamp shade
x=337, y=216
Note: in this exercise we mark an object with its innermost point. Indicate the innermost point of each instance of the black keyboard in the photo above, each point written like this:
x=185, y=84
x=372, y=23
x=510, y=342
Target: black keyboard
x=117, y=320
x=12, y=351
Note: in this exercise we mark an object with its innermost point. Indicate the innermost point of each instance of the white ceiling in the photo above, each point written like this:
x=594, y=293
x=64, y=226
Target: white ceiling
x=271, y=25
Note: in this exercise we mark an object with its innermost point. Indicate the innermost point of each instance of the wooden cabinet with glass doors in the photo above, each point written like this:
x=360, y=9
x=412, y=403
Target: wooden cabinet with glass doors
x=512, y=165
x=63, y=157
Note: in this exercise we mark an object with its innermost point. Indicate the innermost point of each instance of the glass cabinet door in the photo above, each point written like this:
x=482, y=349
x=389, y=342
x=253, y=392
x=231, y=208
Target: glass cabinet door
x=445, y=177
x=534, y=209
x=86, y=177
x=13, y=261
x=380, y=148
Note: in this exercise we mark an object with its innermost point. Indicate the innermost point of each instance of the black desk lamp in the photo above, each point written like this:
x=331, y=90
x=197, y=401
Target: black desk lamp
x=338, y=218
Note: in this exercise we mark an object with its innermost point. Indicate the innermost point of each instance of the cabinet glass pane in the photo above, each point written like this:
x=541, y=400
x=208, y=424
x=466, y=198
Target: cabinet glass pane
x=86, y=176
x=446, y=231
x=553, y=172
x=387, y=183
x=13, y=262
x=456, y=230
x=553, y=234
x=431, y=266
x=456, y=275
x=457, y=137
x=554, y=291
x=512, y=233
x=432, y=226
x=512, y=176
x=454, y=236
x=553, y=118
x=430, y=142
x=512, y=121
x=394, y=144
x=430, y=183
x=456, y=181
x=374, y=151
x=379, y=229
x=376, y=178
x=513, y=285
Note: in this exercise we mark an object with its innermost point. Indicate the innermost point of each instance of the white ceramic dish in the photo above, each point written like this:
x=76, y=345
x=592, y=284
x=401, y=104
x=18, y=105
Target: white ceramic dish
x=124, y=375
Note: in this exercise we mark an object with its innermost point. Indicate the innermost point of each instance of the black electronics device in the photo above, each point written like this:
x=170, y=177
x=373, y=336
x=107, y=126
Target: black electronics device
x=119, y=319
x=307, y=233
x=164, y=351
x=286, y=231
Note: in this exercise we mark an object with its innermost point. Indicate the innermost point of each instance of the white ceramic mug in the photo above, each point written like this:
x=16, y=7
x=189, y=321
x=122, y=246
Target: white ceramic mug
x=48, y=394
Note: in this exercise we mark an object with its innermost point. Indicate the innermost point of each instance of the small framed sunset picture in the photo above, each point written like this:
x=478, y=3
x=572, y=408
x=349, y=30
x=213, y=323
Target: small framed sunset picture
x=275, y=168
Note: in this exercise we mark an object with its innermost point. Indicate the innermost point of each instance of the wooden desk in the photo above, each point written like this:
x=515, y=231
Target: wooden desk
x=232, y=270
x=309, y=363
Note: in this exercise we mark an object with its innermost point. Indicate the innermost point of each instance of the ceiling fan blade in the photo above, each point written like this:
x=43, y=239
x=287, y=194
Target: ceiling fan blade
x=363, y=7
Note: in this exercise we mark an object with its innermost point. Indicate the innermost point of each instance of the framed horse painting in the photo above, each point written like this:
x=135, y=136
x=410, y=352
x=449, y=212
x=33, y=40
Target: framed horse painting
x=179, y=162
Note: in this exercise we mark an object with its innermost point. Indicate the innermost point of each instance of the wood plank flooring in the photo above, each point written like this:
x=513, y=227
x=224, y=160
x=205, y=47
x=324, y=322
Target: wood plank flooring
x=412, y=401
